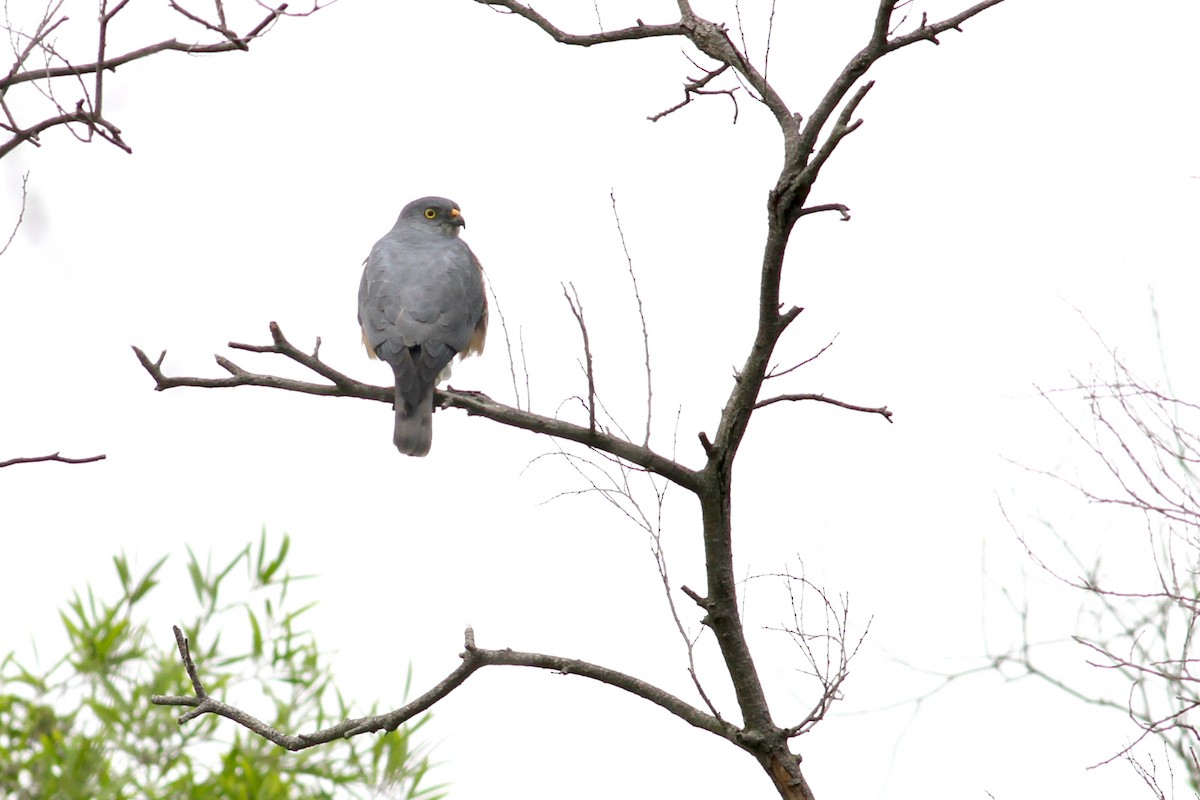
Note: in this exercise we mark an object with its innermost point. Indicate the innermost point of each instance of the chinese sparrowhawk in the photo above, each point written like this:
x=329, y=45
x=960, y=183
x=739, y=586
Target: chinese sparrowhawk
x=420, y=303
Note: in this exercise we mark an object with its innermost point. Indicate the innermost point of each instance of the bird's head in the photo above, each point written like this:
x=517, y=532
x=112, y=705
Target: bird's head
x=433, y=214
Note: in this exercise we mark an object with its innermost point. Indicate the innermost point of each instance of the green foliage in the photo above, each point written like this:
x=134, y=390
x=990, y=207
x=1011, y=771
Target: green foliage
x=85, y=729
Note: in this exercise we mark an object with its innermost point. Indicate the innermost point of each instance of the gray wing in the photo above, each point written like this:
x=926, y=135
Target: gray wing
x=418, y=304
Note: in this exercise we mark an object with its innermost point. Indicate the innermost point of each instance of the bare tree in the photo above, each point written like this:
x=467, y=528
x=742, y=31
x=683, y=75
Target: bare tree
x=1138, y=618
x=808, y=143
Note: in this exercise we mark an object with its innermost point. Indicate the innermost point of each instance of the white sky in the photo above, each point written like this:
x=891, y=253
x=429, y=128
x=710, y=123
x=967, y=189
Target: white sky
x=1042, y=161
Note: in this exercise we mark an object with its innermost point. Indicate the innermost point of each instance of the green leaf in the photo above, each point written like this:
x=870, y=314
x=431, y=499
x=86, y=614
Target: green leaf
x=197, y=576
x=256, y=645
x=215, y=584
x=147, y=582
x=264, y=575
x=122, y=565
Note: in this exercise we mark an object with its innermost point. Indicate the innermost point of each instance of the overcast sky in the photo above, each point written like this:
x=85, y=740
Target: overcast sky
x=1038, y=166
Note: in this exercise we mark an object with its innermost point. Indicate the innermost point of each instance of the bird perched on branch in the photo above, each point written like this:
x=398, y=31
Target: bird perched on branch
x=420, y=303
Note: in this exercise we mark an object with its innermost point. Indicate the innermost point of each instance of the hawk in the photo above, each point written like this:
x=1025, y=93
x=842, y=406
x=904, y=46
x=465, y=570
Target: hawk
x=420, y=303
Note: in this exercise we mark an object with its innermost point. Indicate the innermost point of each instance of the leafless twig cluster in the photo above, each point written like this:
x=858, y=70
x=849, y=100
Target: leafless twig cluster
x=1143, y=440
x=827, y=651
x=67, y=91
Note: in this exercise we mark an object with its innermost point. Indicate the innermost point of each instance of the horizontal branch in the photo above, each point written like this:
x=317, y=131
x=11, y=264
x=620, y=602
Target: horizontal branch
x=820, y=398
x=639, y=31
x=473, y=658
x=474, y=403
x=51, y=457
x=838, y=207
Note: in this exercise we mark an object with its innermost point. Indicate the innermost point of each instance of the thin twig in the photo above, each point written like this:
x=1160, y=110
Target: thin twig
x=577, y=310
x=767, y=49
x=775, y=373
x=637, y=295
x=512, y=365
x=20, y=214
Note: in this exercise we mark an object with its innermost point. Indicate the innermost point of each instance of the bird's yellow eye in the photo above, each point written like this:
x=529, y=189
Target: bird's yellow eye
x=430, y=213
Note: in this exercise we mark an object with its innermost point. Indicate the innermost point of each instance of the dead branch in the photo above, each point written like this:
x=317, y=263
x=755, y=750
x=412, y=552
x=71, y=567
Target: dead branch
x=767, y=47
x=639, y=31
x=694, y=87
x=820, y=398
x=775, y=372
x=637, y=295
x=52, y=457
x=807, y=147
x=577, y=310
x=512, y=364
x=473, y=659
x=838, y=207
x=20, y=214
x=474, y=403
x=85, y=117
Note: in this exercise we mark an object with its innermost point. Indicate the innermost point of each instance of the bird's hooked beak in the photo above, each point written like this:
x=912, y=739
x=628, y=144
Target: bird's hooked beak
x=456, y=218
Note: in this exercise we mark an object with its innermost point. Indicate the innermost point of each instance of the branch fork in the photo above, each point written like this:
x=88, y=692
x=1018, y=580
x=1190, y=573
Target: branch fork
x=808, y=144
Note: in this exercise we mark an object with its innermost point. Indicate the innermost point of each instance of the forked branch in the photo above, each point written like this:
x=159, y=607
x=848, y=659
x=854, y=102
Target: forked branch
x=807, y=145
x=474, y=403
x=473, y=659
x=84, y=115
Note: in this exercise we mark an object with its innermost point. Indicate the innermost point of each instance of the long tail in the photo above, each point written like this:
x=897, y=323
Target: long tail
x=414, y=426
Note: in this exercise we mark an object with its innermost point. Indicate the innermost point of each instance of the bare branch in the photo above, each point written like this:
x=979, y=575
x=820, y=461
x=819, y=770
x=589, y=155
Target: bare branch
x=52, y=457
x=512, y=364
x=637, y=295
x=111, y=64
x=218, y=27
x=86, y=119
x=820, y=398
x=767, y=48
x=474, y=403
x=695, y=87
x=878, y=46
x=639, y=31
x=473, y=658
x=828, y=654
x=577, y=311
x=20, y=214
x=776, y=373
x=843, y=128
x=185, y=652
x=838, y=207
